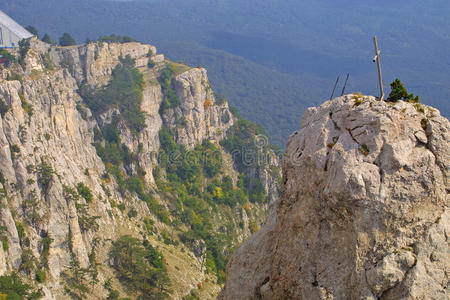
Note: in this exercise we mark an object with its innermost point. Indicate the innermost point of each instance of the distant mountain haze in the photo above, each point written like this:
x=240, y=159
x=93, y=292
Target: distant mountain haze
x=300, y=46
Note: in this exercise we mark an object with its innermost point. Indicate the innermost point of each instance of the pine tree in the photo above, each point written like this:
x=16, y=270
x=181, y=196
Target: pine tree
x=399, y=92
x=46, y=39
x=66, y=40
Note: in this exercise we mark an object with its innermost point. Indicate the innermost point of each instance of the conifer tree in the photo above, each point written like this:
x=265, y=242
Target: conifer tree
x=399, y=92
x=46, y=39
x=66, y=40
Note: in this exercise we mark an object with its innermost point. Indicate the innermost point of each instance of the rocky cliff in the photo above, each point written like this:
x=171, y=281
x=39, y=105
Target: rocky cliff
x=364, y=212
x=74, y=178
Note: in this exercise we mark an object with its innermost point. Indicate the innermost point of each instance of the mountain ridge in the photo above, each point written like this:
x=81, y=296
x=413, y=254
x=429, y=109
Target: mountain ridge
x=413, y=39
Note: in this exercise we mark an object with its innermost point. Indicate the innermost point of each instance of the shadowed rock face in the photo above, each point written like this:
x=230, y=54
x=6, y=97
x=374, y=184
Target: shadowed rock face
x=364, y=212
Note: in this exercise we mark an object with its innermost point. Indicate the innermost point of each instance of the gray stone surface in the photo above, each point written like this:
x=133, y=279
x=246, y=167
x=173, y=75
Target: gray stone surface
x=364, y=212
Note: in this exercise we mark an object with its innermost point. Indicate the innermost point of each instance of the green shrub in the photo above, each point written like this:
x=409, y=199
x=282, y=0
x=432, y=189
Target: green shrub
x=170, y=100
x=110, y=153
x=46, y=241
x=5, y=244
x=66, y=40
x=111, y=134
x=86, y=221
x=84, y=192
x=166, y=237
x=28, y=263
x=4, y=108
x=41, y=276
x=253, y=227
x=67, y=64
x=14, y=76
x=15, y=148
x=113, y=295
x=47, y=136
x=24, y=47
x=140, y=267
x=47, y=61
x=211, y=158
x=46, y=39
x=75, y=280
x=166, y=140
x=399, y=92
x=156, y=208
x=424, y=123
x=20, y=231
x=27, y=107
x=132, y=213
x=242, y=138
x=419, y=107
x=45, y=175
x=121, y=206
x=13, y=286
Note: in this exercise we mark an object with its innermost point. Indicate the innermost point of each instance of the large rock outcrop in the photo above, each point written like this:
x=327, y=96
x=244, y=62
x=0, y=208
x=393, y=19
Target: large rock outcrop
x=47, y=151
x=364, y=212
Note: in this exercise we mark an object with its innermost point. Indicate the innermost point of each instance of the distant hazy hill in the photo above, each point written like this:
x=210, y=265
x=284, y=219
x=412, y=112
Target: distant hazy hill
x=285, y=54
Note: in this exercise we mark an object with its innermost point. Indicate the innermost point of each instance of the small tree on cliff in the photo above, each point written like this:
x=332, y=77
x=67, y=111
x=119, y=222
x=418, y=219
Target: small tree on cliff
x=399, y=92
x=66, y=40
x=47, y=39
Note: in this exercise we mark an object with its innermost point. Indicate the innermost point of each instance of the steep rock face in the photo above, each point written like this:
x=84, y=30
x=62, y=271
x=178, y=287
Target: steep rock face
x=94, y=62
x=46, y=151
x=364, y=212
x=201, y=119
x=55, y=135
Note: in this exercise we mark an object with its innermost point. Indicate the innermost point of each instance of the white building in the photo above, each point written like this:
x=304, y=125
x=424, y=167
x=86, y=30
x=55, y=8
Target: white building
x=11, y=32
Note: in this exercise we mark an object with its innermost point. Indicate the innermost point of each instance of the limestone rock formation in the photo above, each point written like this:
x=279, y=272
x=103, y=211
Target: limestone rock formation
x=202, y=120
x=47, y=136
x=364, y=212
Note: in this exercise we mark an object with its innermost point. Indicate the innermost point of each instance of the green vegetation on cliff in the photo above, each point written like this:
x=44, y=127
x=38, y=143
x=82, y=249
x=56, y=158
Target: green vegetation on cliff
x=15, y=289
x=170, y=98
x=140, y=266
x=191, y=182
x=124, y=92
x=195, y=188
x=399, y=92
x=200, y=206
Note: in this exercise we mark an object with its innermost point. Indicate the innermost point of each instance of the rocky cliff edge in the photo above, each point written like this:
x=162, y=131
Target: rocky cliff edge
x=364, y=212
